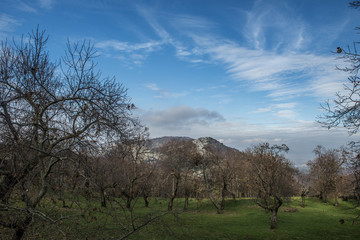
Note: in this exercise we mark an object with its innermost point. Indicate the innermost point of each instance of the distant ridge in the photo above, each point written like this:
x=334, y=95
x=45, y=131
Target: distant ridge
x=201, y=143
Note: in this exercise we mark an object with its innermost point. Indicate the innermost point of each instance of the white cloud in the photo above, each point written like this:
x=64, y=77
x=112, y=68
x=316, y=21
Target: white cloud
x=262, y=110
x=127, y=47
x=163, y=93
x=183, y=22
x=133, y=53
x=286, y=105
x=267, y=17
x=286, y=114
x=153, y=86
x=282, y=75
x=272, y=107
x=281, y=67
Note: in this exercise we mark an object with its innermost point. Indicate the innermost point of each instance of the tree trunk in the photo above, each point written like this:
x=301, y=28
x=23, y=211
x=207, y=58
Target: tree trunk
x=222, y=203
x=6, y=187
x=186, y=204
x=146, y=200
x=216, y=204
x=273, y=218
x=233, y=196
x=321, y=197
x=211, y=197
x=302, y=200
x=223, y=195
x=174, y=193
x=103, y=199
x=20, y=231
x=171, y=203
x=336, y=200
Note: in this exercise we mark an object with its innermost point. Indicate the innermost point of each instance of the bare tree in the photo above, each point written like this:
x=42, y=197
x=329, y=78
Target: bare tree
x=103, y=172
x=344, y=109
x=139, y=167
x=273, y=177
x=325, y=171
x=354, y=166
x=218, y=169
x=304, y=186
x=177, y=156
x=48, y=110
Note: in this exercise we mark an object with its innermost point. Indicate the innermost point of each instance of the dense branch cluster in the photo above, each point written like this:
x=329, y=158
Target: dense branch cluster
x=51, y=113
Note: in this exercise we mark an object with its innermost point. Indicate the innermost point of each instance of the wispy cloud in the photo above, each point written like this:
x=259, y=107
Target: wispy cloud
x=47, y=4
x=134, y=53
x=183, y=51
x=286, y=105
x=33, y=6
x=7, y=24
x=278, y=66
x=281, y=110
x=275, y=17
x=283, y=75
x=163, y=93
x=25, y=7
x=286, y=114
x=127, y=47
x=183, y=22
x=262, y=110
x=153, y=86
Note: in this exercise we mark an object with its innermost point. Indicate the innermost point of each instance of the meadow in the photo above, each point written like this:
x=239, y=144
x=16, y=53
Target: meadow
x=242, y=219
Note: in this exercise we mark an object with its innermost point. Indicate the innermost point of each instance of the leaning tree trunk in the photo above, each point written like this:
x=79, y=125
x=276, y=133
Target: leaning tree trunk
x=211, y=197
x=219, y=210
x=223, y=195
x=174, y=192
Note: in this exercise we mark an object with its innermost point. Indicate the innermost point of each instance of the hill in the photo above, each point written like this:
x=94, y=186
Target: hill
x=155, y=144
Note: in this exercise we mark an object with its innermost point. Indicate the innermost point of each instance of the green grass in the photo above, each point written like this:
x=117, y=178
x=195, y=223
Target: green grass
x=242, y=219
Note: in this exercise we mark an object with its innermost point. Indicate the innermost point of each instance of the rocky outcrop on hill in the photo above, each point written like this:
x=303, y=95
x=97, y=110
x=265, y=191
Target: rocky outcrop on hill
x=202, y=142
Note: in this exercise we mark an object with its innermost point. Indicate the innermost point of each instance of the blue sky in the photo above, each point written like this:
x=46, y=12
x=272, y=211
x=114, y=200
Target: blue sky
x=243, y=72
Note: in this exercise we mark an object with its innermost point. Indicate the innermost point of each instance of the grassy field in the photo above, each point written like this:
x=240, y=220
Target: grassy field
x=242, y=219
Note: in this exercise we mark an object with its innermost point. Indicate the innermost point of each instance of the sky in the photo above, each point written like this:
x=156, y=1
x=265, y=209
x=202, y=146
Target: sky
x=243, y=72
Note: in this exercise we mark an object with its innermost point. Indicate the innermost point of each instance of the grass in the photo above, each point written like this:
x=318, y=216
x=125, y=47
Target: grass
x=242, y=219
